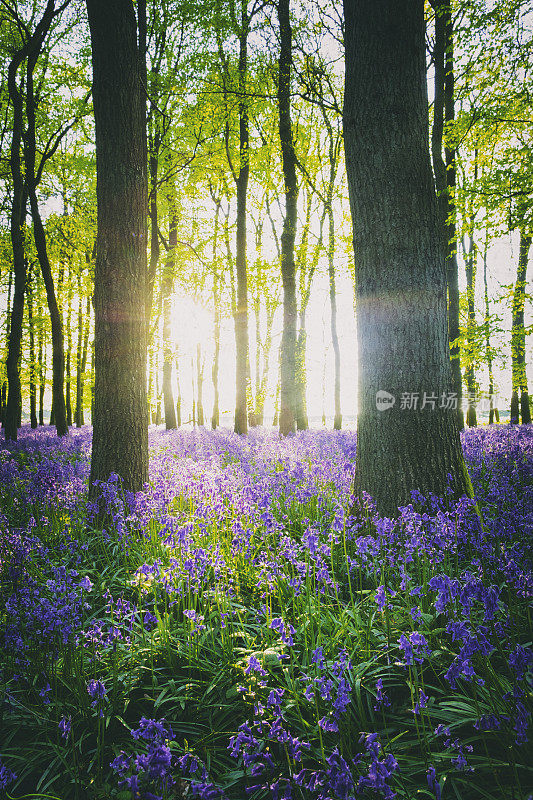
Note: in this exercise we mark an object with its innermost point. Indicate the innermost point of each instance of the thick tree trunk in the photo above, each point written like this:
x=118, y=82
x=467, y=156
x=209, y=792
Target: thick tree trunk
x=120, y=430
x=288, y=339
x=241, y=311
x=520, y=395
x=445, y=177
x=407, y=437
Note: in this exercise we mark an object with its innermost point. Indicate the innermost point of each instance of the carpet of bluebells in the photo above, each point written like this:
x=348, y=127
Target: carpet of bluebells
x=242, y=630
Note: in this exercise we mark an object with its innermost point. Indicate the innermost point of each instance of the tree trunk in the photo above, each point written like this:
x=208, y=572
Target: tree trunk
x=445, y=177
x=337, y=419
x=267, y=347
x=120, y=429
x=494, y=415
x=215, y=417
x=178, y=400
x=85, y=348
x=200, y=384
x=42, y=364
x=407, y=437
x=520, y=396
x=3, y=392
x=79, y=350
x=58, y=357
x=470, y=372
x=166, y=291
x=31, y=332
x=68, y=376
x=288, y=339
x=275, y=421
x=17, y=223
x=241, y=311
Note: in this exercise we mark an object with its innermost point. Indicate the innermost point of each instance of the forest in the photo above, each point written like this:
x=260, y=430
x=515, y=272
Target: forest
x=266, y=453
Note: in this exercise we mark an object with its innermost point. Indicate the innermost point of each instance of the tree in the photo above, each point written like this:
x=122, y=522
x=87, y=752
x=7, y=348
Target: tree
x=288, y=235
x=445, y=174
x=520, y=395
x=120, y=432
x=407, y=436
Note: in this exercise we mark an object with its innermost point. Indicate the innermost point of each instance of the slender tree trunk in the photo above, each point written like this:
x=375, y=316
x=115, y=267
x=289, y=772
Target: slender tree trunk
x=520, y=395
x=83, y=366
x=32, y=179
x=306, y=280
x=288, y=339
x=445, y=178
x=31, y=332
x=337, y=420
x=155, y=249
x=300, y=401
x=267, y=347
x=470, y=372
x=68, y=376
x=42, y=364
x=3, y=391
x=58, y=358
x=79, y=350
x=200, y=384
x=178, y=400
x=494, y=415
x=275, y=421
x=17, y=223
x=166, y=291
x=215, y=417
x=241, y=311
x=412, y=443
x=120, y=431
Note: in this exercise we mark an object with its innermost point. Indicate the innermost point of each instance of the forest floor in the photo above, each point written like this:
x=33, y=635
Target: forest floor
x=232, y=632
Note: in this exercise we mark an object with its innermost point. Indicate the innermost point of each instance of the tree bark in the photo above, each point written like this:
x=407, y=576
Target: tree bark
x=288, y=235
x=400, y=262
x=79, y=350
x=520, y=395
x=241, y=180
x=470, y=372
x=445, y=179
x=31, y=332
x=200, y=384
x=42, y=364
x=166, y=291
x=39, y=235
x=215, y=416
x=68, y=376
x=120, y=424
x=17, y=223
x=494, y=415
